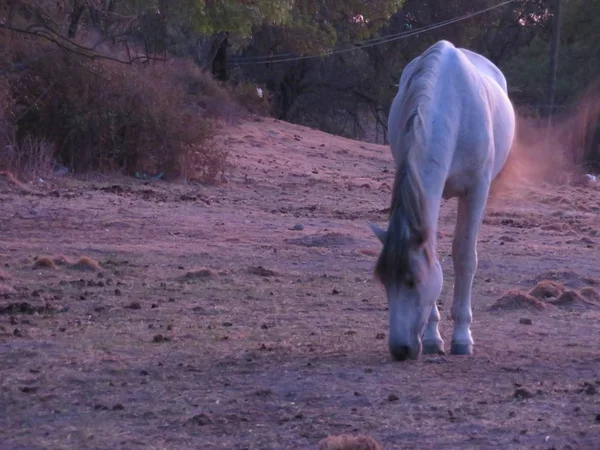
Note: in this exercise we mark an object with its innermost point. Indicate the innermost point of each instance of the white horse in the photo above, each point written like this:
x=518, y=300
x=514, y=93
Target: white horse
x=451, y=128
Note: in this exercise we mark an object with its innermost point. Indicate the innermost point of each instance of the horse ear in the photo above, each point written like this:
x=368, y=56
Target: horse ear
x=379, y=232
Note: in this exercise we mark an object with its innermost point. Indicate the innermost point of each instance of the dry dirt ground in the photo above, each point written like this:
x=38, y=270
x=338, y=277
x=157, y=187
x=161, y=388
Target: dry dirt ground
x=246, y=316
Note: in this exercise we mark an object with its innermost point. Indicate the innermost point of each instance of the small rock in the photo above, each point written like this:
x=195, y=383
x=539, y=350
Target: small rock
x=159, y=338
x=393, y=398
x=28, y=389
x=118, y=292
x=589, y=389
x=264, y=326
x=144, y=373
x=525, y=321
x=100, y=407
x=335, y=291
x=380, y=336
x=118, y=407
x=522, y=393
x=134, y=305
x=298, y=227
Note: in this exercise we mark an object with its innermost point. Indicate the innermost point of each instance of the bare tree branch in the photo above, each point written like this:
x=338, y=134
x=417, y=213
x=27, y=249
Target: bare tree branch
x=72, y=47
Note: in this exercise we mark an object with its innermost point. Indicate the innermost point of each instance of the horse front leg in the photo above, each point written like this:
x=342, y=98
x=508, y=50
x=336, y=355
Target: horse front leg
x=464, y=257
x=433, y=344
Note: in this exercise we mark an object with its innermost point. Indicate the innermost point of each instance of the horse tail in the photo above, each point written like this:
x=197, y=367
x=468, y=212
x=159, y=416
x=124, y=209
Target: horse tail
x=408, y=222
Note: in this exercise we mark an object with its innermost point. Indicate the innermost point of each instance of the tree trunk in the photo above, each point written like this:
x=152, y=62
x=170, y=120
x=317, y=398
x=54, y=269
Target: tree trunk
x=554, y=51
x=219, y=63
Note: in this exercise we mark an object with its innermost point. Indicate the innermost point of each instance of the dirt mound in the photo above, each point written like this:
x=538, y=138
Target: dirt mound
x=322, y=240
x=44, y=263
x=567, y=277
x=573, y=301
x=515, y=300
x=347, y=442
x=201, y=274
x=261, y=271
x=591, y=294
x=85, y=263
x=547, y=289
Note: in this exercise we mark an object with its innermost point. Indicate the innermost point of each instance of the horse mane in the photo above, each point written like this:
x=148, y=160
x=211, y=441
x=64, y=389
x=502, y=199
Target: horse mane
x=409, y=226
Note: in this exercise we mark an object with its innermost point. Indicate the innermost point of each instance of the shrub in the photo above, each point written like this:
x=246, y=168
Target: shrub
x=102, y=115
x=253, y=98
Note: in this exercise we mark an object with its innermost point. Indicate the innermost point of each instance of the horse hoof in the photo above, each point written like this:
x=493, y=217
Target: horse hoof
x=461, y=349
x=433, y=348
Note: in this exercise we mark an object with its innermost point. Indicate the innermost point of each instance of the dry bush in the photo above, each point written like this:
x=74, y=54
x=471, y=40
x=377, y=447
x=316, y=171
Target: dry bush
x=247, y=95
x=102, y=115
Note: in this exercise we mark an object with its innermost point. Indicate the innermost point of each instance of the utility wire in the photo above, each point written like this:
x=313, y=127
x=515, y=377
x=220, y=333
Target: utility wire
x=253, y=60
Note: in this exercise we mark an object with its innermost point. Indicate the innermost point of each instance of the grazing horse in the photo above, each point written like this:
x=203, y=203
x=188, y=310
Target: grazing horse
x=451, y=128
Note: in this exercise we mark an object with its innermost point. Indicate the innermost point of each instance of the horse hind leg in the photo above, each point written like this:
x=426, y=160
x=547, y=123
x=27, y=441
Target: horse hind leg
x=464, y=257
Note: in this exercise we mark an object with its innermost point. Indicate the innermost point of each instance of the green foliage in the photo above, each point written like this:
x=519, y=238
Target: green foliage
x=579, y=57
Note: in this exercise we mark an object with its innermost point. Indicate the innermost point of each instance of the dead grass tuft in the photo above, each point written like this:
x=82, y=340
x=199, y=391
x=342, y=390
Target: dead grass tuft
x=514, y=300
x=348, y=442
x=85, y=263
x=44, y=263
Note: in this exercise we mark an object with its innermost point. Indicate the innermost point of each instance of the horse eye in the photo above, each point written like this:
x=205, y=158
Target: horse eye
x=410, y=282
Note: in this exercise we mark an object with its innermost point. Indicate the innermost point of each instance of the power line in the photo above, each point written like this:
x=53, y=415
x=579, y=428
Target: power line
x=253, y=60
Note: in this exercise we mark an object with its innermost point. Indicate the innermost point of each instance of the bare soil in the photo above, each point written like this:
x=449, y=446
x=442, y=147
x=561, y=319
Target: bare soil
x=246, y=315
